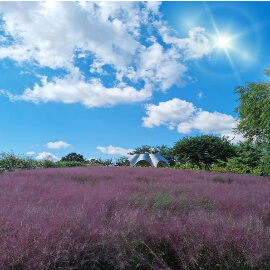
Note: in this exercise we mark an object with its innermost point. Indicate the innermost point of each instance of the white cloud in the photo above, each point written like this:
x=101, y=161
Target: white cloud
x=30, y=153
x=47, y=156
x=168, y=113
x=57, y=145
x=105, y=33
x=112, y=150
x=3, y=39
x=161, y=67
x=207, y=122
x=91, y=94
x=184, y=116
x=195, y=46
x=24, y=72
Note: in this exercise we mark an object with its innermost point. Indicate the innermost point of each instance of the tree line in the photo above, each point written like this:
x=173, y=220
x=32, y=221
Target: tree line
x=204, y=152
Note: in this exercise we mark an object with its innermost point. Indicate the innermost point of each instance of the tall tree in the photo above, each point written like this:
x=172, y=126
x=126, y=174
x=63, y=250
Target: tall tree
x=204, y=150
x=253, y=111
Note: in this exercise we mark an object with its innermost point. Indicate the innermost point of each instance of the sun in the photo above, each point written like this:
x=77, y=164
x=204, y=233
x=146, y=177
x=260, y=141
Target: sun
x=223, y=42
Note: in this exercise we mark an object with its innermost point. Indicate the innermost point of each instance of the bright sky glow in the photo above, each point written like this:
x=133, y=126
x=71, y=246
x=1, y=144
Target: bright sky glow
x=223, y=42
x=101, y=78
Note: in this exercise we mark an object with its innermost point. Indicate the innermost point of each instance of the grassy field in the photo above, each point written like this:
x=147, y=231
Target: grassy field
x=133, y=218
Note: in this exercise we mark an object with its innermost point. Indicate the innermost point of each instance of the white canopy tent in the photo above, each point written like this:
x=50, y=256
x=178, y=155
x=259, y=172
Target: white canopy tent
x=152, y=159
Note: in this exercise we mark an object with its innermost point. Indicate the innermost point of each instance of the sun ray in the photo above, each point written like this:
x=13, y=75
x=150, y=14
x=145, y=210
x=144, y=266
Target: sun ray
x=223, y=41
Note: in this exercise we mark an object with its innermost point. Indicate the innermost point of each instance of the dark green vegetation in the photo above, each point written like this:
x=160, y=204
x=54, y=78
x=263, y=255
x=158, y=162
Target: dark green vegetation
x=73, y=157
x=254, y=116
x=204, y=150
x=201, y=152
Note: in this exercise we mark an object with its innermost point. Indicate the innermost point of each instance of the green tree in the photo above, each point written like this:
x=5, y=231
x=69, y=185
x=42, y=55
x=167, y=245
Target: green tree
x=143, y=149
x=167, y=152
x=122, y=161
x=203, y=150
x=253, y=111
x=254, y=117
x=99, y=161
x=73, y=157
x=249, y=156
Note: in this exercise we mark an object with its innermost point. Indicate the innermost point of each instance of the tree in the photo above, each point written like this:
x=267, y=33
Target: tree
x=203, y=150
x=249, y=156
x=253, y=110
x=99, y=161
x=143, y=149
x=254, y=117
x=122, y=161
x=166, y=152
x=73, y=157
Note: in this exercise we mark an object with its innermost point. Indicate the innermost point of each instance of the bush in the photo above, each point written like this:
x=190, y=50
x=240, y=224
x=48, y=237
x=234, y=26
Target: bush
x=10, y=162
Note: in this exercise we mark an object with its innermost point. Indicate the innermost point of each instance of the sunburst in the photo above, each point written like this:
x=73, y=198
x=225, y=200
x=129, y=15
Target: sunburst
x=223, y=41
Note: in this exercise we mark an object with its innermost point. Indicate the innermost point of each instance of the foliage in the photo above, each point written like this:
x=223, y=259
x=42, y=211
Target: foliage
x=166, y=152
x=254, y=119
x=133, y=218
x=122, y=161
x=73, y=157
x=249, y=156
x=144, y=149
x=142, y=163
x=185, y=166
x=203, y=150
x=11, y=162
x=100, y=162
x=253, y=111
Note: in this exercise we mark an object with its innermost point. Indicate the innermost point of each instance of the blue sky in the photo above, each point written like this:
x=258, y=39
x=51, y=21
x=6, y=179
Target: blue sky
x=102, y=78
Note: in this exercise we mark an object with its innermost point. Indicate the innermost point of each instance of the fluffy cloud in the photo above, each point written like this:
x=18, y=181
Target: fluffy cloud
x=107, y=34
x=184, y=116
x=30, y=153
x=47, y=156
x=168, y=113
x=195, y=46
x=57, y=145
x=111, y=150
x=75, y=90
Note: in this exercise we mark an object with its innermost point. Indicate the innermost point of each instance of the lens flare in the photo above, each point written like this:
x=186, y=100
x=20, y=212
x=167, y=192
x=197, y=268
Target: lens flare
x=223, y=42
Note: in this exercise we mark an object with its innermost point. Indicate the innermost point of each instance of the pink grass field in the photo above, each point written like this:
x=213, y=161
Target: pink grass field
x=133, y=218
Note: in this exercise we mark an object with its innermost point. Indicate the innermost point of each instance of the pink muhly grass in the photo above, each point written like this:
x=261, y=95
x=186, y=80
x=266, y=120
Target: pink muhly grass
x=123, y=217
